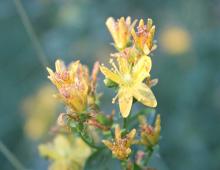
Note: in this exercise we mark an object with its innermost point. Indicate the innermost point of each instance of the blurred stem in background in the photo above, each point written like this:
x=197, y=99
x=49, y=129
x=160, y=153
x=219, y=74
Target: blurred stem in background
x=31, y=33
x=11, y=158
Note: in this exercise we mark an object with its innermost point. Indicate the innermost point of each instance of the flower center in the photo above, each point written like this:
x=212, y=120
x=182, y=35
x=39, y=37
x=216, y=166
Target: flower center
x=127, y=78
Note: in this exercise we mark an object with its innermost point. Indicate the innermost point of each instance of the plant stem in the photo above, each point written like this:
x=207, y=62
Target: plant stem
x=31, y=33
x=124, y=164
x=89, y=143
x=124, y=123
x=150, y=153
x=11, y=158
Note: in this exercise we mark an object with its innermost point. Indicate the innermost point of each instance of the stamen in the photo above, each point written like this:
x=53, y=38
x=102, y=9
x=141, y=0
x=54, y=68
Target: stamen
x=114, y=66
x=114, y=98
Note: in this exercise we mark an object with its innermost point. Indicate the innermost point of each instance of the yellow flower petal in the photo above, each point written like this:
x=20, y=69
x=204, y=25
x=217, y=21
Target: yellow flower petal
x=110, y=75
x=124, y=66
x=146, y=49
x=142, y=68
x=73, y=68
x=131, y=136
x=128, y=151
x=125, y=101
x=134, y=35
x=111, y=24
x=117, y=133
x=108, y=143
x=60, y=66
x=157, y=125
x=149, y=23
x=141, y=23
x=51, y=74
x=47, y=151
x=144, y=95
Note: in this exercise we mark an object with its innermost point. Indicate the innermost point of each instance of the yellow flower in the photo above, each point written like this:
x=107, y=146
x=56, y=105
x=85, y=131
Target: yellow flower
x=63, y=75
x=120, y=31
x=74, y=84
x=130, y=81
x=150, y=135
x=143, y=38
x=66, y=153
x=39, y=110
x=175, y=40
x=121, y=146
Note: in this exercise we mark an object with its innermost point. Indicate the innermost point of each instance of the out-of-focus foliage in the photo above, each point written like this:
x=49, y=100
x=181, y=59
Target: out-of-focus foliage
x=175, y=40
x=66, y=153
x=40, y=112
x=189, y=89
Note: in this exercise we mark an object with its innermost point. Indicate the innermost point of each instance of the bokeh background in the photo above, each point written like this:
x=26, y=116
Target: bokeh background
x=187, y=63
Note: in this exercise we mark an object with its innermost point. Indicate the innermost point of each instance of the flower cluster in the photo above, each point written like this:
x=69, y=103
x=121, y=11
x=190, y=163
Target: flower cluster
x=77, y=89
x=133, y=63
x=130, y=77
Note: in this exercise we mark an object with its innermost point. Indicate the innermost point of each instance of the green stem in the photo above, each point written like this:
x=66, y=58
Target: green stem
x=31, y=33
x=11, y=158
x=124, y=164
x=89, y=143
x=124, y=123
x=150, y=153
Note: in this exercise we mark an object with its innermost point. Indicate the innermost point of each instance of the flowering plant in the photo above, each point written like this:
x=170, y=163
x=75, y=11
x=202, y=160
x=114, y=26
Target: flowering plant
x=129, y=136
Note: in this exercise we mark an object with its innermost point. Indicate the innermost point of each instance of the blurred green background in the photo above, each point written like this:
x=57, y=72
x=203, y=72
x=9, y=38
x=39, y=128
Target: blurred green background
x=187, y=63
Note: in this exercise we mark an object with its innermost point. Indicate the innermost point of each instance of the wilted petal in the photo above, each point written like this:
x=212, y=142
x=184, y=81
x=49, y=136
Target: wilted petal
x=153, y=82
x=60, y=66
x=73, y=68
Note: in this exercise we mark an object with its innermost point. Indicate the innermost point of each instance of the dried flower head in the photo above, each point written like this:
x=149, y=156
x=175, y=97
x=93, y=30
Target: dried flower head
x=74, y=84
x=120, y=147
x=150, y=135
x=143, y=38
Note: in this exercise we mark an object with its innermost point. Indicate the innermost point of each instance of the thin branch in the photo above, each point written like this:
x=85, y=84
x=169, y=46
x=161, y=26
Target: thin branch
x=11, y=158
x=31, y=33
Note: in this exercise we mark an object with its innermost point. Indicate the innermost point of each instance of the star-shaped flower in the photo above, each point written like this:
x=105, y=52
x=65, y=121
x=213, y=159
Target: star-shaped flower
x=129, y=78
x=120, y=147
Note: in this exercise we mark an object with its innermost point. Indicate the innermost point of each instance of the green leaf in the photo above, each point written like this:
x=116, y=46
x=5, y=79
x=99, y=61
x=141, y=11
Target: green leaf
x=137, y=167
x=73, y=124
x=103, y=120
x=83, y=117
x=102, y=160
